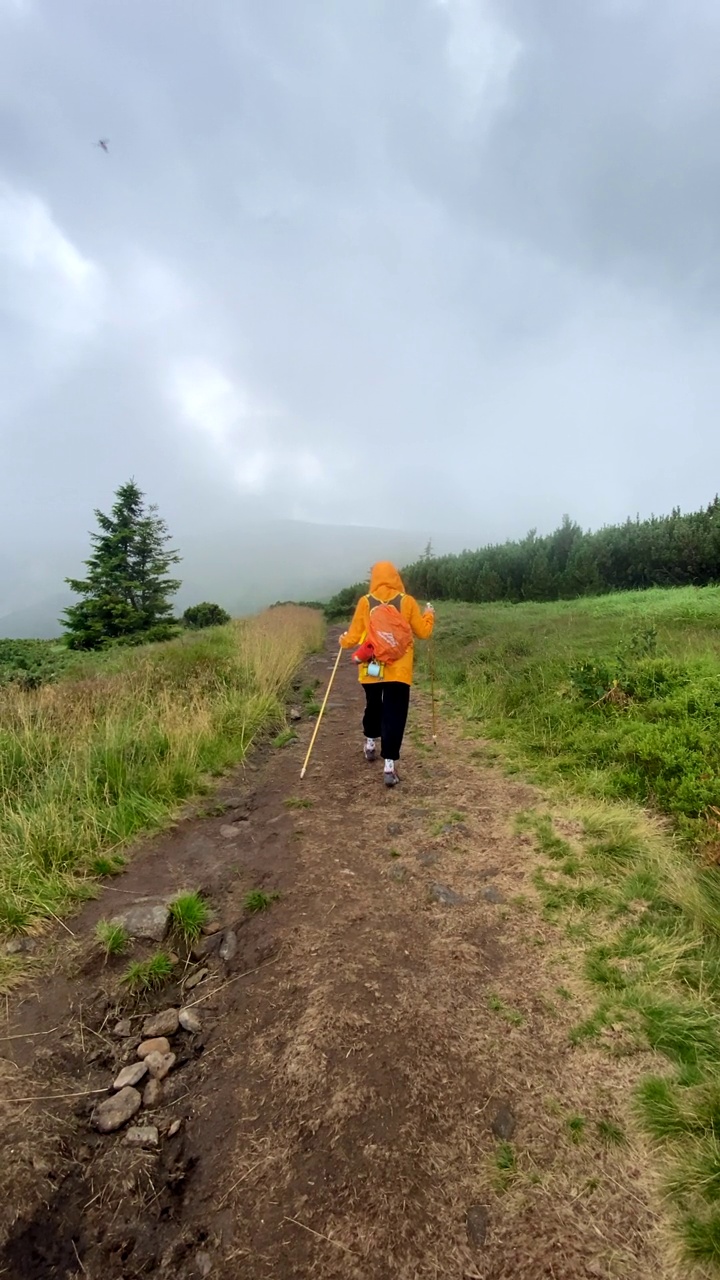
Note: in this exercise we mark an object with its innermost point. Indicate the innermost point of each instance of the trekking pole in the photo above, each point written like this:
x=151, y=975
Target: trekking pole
x=317, y=723
x=432, y=688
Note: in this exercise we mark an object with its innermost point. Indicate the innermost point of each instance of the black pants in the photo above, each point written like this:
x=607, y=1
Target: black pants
x=386, y=715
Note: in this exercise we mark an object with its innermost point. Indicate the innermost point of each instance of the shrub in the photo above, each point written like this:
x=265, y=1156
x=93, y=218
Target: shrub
x=27, y=664
x=205, y=615
x=343, y=604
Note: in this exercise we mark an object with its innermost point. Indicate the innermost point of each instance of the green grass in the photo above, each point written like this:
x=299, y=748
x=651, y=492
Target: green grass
x=258, y=900
x=611, y=1133
x=513, y=1016
x=111, y=750
x=506, y=1168
x=113, y=938
x=148, y=975
x=536, y=676
x=576, y=1128
x=107, y=864
x=613, y=705
x=294, y=802
x=452, y=819
x=189, y=913
x=284, y=738
x=701, y=1237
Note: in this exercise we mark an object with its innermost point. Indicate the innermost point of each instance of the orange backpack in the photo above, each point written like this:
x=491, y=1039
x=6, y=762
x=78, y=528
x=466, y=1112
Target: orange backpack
x=388, y=632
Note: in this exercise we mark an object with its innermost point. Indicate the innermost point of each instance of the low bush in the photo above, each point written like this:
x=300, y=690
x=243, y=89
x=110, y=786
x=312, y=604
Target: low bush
x=205, y=615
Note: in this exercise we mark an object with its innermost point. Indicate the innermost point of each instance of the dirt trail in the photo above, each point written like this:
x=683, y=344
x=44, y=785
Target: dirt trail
x=354, y=1105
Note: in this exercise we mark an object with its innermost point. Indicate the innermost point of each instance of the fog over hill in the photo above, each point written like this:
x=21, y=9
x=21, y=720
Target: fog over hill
x=238, y=565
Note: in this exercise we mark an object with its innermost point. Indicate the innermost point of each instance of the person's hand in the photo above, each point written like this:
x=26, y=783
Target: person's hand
x=343, y=637
x=429, y=608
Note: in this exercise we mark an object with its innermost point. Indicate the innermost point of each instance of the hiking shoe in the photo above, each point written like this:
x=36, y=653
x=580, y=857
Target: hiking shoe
x=390, y=778
x=369, y=750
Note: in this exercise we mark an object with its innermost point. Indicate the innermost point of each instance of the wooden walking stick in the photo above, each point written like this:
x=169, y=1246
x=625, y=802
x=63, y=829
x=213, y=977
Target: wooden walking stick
x=432, y=689
x=317, y=724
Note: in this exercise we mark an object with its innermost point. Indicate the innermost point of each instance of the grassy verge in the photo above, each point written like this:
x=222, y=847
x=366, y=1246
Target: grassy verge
x=614, y=704
x=619, y=696
x=91, y=761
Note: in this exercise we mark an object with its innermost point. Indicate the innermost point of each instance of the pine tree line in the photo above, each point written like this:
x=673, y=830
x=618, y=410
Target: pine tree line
x=674, y=550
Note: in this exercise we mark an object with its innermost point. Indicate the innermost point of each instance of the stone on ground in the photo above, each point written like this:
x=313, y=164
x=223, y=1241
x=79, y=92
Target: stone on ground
x=477, y=1221
x=448, y=897
x=492, y=894
x=196, y=978
x=160, y=1064
x=189, y=1021
x=152, y=1094
x=228, y=947
x=142, y=1135
x=147, y=919
x=130, y=1075
x=158, y=1044
x=161, y=1024
x=116, y=1111
x=503, y=1122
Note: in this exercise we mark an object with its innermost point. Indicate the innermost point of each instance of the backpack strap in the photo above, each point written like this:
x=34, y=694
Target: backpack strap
x=396, y=601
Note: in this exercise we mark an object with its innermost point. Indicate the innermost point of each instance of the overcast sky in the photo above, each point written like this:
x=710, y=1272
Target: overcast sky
x=434, y=264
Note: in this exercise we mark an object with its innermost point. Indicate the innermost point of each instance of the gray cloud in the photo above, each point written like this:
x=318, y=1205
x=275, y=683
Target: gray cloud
x=450, y=265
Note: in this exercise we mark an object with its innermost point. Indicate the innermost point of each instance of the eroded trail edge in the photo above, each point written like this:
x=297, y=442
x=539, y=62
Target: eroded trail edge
x=383, y=1084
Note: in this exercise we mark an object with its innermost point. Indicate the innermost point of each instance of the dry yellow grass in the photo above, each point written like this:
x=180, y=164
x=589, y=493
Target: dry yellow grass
x=88, y=763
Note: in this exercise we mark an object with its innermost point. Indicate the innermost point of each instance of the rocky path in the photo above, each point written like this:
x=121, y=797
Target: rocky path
x=377, y=1079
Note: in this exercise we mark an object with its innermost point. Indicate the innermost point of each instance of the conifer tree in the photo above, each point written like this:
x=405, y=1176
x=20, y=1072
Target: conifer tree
x=126, y=593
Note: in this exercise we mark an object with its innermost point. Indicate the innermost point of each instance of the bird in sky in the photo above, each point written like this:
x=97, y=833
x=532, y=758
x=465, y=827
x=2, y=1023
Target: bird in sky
x=104, y=143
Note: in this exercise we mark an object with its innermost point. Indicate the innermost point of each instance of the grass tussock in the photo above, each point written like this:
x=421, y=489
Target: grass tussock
x=113, y=938
x=142, y=976
x=189, y=913
x=110, y=751
x=505, y=1167
x=258, y=900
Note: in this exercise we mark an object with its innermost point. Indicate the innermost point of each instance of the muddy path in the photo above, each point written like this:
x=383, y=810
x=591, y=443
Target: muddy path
x=383, y=1079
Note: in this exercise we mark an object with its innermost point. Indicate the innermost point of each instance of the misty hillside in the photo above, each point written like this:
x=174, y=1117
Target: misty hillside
x=240, y=567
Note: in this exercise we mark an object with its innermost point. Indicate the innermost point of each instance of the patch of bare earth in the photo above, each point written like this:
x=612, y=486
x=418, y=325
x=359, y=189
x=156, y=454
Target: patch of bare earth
x=384, y=1082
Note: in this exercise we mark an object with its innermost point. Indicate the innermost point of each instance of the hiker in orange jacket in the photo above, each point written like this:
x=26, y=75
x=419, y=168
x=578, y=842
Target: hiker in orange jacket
x=387, y=694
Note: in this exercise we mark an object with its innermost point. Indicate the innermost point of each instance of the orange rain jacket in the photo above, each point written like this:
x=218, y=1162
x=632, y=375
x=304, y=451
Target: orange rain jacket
x=386, y=584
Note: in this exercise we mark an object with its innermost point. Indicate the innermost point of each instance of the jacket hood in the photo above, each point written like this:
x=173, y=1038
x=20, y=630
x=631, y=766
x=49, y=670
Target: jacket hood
x=385, y=581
